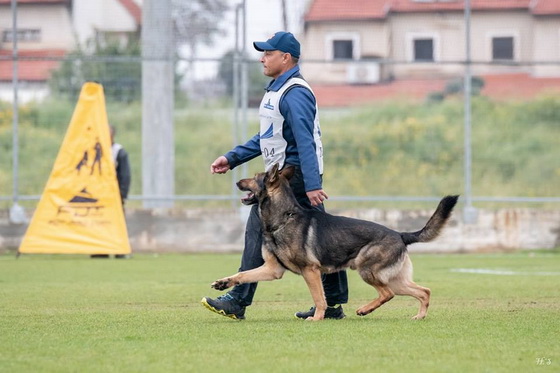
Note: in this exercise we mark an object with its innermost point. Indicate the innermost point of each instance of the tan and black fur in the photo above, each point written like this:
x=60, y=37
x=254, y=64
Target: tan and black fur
x=310, y=242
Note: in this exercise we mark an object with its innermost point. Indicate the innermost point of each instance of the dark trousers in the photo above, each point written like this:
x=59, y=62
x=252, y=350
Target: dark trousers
x=334, y=284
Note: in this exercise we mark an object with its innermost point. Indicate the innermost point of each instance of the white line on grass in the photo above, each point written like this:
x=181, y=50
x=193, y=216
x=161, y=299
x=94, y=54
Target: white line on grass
x=502, y=272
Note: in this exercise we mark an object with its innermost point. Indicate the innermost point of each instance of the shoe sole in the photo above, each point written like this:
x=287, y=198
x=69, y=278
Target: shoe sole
x=326, y=318
x=219, y=312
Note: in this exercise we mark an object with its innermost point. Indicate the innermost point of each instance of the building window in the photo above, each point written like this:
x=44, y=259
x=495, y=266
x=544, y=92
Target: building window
x=23, y=35
x=343, y=49
x=422, y=47
x=342, y=46
x=502, y=48
x=423, y=50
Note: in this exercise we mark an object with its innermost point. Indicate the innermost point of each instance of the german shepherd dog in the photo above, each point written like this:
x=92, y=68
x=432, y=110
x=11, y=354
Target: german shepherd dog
x=311, y=242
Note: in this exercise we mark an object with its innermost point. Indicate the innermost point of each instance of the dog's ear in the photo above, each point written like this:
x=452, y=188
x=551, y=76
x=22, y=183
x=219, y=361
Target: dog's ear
x=273, y=174
x=288, y=172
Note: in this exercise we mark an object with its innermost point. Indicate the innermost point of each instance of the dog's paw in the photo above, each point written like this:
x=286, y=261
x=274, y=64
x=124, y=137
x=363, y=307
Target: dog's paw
x=363, y=311
x=222, y=284
x=310, y=318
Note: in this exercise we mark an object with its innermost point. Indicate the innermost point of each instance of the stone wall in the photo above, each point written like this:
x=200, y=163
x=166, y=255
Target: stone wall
x=193, y=230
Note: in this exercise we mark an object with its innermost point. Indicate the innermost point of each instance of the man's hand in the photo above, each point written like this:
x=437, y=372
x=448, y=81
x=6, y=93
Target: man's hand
x=220, y=165
x=316, y=197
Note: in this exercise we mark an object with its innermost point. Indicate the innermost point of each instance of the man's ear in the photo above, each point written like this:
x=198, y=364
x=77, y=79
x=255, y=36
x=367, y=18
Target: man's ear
x=288, y=172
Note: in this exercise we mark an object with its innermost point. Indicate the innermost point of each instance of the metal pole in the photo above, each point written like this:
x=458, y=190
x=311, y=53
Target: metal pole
x=15, y=143
x=158, y=149
x=17, y=214
x=244, y=85
x=469, y=212
x=284, y=16
x=236, y=96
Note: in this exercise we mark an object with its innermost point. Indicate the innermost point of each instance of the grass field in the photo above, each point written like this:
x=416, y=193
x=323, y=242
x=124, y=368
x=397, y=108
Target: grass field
x=75, y=314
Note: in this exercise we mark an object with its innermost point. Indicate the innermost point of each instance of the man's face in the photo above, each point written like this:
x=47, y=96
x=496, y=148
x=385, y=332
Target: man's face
x=274, y=63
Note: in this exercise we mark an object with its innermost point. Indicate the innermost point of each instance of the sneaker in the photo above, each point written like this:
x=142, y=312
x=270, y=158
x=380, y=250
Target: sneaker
x=335, y=313
x=226, y=306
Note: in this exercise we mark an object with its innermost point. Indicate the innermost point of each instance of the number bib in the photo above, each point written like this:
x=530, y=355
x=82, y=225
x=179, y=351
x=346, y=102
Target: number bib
x=273, y=144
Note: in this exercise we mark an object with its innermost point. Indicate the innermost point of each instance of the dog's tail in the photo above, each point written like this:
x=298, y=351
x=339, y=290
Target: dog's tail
x=435, y=224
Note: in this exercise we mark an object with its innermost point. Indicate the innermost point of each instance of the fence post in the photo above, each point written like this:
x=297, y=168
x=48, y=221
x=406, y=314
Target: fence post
x=244, y=84
x=469, y=212
x=158, y=147
x=17, y=213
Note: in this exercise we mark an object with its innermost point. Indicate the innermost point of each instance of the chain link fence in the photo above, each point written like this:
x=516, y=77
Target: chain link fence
x=411, y=109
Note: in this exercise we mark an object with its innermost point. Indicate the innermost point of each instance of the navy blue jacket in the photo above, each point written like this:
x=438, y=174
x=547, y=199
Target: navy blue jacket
x=298, y=107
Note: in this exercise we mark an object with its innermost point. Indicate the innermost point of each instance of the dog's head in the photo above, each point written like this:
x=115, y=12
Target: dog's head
x=263, y=183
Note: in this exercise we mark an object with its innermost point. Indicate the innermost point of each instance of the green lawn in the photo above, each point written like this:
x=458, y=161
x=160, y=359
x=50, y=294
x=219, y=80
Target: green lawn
x=75, y=314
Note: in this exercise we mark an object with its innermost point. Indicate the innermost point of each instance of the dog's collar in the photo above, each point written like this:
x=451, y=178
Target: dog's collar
x=289, y=215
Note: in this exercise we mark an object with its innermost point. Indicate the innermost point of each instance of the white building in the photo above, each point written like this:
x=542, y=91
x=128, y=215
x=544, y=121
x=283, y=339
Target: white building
x=48, y=29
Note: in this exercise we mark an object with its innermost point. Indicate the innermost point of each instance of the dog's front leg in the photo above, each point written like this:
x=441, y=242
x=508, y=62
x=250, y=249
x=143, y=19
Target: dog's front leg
x=269, y=271
x=312, y=277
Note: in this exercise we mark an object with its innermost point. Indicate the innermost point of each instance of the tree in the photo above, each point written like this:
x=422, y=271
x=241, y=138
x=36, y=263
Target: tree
x=198, y=22
x=257, y=80
x=114, y=64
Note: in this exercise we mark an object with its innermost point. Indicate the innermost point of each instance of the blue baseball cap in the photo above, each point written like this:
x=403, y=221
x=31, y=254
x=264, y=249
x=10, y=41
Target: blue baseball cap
x=281, y=41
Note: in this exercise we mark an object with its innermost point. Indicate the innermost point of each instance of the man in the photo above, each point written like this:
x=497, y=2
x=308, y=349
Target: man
x=122, y=167
x=289, y=135
x=120, y=158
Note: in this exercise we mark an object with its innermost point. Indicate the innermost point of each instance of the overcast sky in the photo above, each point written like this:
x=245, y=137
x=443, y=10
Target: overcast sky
x=264, y=18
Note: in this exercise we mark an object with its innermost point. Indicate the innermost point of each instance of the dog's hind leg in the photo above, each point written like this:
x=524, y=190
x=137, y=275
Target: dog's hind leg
x=414, y=290
x=312, y=277
x=402, y=284
x=384, y=292
x=385, y=295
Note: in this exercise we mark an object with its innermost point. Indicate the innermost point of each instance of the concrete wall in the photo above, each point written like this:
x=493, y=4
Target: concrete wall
x=223, y=230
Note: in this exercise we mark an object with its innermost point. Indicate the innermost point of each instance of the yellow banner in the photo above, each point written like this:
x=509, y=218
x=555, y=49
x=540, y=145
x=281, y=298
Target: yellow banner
x=80, y=211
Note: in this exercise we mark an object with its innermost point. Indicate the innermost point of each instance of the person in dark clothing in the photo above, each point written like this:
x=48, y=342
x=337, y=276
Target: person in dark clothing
x=122, y=167
x=289, y=134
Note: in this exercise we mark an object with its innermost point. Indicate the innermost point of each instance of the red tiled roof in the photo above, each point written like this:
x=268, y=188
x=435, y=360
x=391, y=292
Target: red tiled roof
x=31, y=67
x=518, y=85
x=133, y=9
x=328, y=10
x=331, y=95
x=8, y=2
x=545, y=7
x=504, y=86
x=331, y=10
x=415, y=6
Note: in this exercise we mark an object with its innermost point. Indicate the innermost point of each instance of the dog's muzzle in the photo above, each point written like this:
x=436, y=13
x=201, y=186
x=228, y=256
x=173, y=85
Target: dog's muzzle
x=249, y=199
